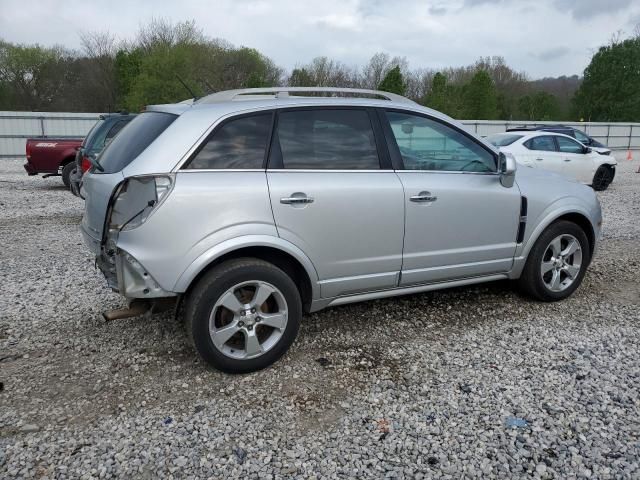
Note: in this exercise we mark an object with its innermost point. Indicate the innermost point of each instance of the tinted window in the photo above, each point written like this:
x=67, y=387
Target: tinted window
x=239, y=143
x=545, y=143
x=132, y=141
x=581, y=137
x=92, y=133
x=113, y=131
x=429, y=145
x=502, y=139
x=568, y=145
x=327, y=139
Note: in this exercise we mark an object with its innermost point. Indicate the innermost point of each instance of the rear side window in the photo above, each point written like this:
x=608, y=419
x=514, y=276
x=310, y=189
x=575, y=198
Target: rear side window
x=238, y=143
x=113, y=131
x=545, y=143
x=133, y=140
x=92, y=133
x=327, y=139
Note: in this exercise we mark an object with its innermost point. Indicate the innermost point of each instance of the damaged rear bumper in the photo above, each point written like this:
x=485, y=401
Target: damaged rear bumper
x=124, y=274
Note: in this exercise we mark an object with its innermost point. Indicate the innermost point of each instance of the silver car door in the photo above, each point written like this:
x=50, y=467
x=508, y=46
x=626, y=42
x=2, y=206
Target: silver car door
x=459, y=220
x=331, y=198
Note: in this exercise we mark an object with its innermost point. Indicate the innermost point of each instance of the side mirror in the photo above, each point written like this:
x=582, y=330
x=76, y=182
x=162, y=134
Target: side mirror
x=586, y=150
x=507, y=169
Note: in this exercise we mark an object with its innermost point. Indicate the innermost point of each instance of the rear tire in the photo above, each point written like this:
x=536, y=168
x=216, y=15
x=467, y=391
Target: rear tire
x=602, y=178
x=243, y=315
x=557, y=262
x=66, y=173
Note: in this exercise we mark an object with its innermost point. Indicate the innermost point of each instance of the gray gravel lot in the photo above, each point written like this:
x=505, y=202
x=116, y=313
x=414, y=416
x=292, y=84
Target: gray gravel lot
x=466, y=383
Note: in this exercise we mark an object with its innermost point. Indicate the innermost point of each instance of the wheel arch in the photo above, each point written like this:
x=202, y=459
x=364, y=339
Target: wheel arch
x=573, y=214
x=285, y=256
x=67, y=160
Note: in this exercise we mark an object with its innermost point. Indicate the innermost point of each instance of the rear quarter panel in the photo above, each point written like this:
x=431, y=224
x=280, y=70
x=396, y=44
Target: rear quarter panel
x=204, y=209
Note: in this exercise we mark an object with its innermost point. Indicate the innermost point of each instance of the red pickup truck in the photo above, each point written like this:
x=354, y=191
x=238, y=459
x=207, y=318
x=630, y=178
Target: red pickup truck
x=52, y=156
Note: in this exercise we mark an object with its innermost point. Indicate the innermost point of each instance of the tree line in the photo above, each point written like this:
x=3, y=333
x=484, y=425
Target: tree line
x=169, y=62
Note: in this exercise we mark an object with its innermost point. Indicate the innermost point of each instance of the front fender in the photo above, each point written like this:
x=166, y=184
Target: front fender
x=535, y=227
x=231, y=245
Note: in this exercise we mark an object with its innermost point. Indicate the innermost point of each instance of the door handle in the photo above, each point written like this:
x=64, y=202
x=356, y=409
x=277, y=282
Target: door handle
x=539, y=159
x=567, y=159
x=423, y=197
x=296, y=200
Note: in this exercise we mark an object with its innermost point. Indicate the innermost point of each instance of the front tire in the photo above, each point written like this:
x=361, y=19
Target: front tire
x=66, y=173
x=557, y=262
x=602, y=178
x=243, y=315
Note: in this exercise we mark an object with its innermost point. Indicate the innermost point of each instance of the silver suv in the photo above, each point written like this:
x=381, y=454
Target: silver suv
x=254, y=206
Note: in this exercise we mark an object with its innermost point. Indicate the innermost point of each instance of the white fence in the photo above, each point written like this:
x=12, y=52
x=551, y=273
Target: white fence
x=16, y=127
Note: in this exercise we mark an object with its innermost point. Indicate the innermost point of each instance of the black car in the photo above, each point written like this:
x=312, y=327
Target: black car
x=98, y=137
x=566, y=130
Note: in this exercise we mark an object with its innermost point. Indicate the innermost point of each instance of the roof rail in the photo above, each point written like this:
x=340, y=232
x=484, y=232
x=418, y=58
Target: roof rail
x=283, y=92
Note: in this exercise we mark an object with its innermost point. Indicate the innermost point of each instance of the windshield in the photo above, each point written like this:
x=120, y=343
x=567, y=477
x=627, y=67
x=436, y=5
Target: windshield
x=502, y=139
x=133, y=140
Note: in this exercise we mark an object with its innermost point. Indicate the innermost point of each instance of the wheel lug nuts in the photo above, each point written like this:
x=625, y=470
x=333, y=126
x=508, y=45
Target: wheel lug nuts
x=253, y=310
x=241, y=324
x=249, y=327
x=243, y=313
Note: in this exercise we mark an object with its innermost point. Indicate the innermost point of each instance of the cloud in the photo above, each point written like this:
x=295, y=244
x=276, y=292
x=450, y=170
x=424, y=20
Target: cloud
x=541, y=38
x=552, y=53
x=437, y=10
x=585, y=9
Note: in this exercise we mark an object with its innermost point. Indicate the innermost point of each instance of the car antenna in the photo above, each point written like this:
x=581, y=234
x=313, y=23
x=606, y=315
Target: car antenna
x=193, y=95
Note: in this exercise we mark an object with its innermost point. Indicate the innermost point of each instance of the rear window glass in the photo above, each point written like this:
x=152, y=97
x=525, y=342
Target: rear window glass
x=502, y=139
x=133, y=140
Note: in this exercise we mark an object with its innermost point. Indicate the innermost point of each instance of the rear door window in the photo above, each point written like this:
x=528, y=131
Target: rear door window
x=327, y=139
x=132, y=141
x=544, y=143
x=238, y=143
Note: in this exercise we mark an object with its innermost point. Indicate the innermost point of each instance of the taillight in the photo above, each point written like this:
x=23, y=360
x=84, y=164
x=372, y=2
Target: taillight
x=85, y=164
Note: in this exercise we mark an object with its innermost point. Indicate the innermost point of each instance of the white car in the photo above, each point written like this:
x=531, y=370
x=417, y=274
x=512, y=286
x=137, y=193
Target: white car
x=558, y=153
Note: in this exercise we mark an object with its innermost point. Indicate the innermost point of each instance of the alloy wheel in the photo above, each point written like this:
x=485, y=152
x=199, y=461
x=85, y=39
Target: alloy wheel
x=248, y=320
x=561, y=262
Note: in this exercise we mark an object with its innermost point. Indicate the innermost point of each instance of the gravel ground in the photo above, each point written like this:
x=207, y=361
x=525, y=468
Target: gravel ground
x=464, y=383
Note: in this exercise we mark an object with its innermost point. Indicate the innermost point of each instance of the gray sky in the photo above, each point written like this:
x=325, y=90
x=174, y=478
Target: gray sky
x=541, y=37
